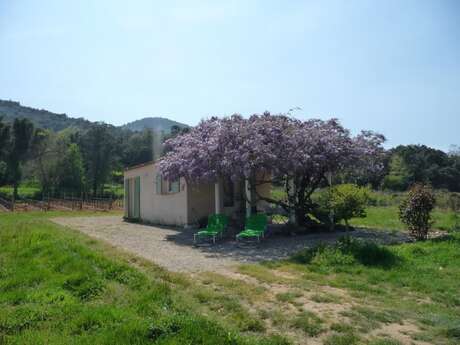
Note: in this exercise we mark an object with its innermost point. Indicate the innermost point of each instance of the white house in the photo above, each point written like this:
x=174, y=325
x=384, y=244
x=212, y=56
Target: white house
x=151, y=198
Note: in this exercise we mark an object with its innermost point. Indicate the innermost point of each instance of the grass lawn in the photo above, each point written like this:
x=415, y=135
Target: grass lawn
x=58, y=286
x=387, y=218
x=357, y=293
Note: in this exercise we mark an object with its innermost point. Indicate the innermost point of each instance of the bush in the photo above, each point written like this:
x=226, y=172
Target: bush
x=347, y=251
x=342, y=202
x=415, y=210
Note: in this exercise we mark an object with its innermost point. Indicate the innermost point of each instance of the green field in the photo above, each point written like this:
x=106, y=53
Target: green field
x=58, y=286
x=386, y=218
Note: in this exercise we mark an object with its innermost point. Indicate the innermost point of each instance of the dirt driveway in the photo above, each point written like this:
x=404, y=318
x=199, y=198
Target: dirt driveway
x=173, y=248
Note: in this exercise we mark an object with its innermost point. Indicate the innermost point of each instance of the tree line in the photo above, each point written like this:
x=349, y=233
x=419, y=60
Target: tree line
x=73, y=160
x=410, y=164
x=86, y=160
x=406, y=165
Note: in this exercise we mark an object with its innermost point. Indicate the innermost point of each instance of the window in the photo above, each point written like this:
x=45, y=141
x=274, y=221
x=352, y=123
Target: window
x=174, y=186
x=158, y=184
x=170, y=187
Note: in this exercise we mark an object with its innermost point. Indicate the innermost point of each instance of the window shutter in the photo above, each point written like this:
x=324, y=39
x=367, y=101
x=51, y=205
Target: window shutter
x=159, y=184
x=175, y=186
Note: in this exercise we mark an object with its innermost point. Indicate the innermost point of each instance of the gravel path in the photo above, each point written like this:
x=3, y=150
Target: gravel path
x=173, y=248
x=150, y=242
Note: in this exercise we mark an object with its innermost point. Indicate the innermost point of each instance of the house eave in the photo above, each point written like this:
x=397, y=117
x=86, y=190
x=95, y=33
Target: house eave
x=137, y=166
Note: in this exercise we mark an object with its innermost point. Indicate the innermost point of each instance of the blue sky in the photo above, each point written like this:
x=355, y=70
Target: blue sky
x=389, y=66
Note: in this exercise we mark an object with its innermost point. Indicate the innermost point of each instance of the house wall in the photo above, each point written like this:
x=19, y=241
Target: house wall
x=165, y=208
x=191, y=203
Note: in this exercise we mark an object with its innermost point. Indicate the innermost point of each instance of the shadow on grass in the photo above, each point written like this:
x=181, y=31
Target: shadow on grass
x=348, y=251
x=452, y=237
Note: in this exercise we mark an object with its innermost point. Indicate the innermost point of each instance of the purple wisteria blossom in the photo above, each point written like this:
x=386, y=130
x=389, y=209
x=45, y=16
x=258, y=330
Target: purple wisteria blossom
x=296, y=154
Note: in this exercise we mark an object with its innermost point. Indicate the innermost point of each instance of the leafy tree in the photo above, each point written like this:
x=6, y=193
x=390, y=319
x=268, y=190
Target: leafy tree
x=4, y=139
x=44, y=154
x=424, y=164
x=138, y=148
x=58, y=162
x=415, y=210
x=98, y=147
x=454, y=157
x=399, y=176
x=342, y=202
x=22, y=134
x=271, y=149
x=71, y=172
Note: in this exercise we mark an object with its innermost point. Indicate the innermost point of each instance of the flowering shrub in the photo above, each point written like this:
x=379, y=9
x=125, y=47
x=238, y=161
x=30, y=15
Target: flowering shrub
x=295, y=154
x=415, y=210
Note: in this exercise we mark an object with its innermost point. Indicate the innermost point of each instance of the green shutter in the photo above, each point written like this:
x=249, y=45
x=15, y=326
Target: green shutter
x=126, y=206
x=137, y=198
x=158, y=183
x=175, y=186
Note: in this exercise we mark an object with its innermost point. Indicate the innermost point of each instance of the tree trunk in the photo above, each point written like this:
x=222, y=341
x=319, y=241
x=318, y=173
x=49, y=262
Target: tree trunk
x=15, y=191
x=301, y=216
x=300, y=201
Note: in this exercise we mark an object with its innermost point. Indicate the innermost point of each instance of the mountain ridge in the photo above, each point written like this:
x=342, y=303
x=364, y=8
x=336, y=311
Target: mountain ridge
x=43, y=118
x=156, y=123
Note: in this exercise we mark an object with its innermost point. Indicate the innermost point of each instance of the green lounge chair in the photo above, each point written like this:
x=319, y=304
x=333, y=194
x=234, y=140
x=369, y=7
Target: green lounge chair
x=216, y=226
x=255, y=227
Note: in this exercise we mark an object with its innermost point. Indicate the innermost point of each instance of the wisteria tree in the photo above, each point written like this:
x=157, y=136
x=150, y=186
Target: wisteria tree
x=295, y=154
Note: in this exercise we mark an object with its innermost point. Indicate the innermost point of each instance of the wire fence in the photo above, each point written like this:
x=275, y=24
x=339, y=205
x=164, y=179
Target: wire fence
x=63, y=203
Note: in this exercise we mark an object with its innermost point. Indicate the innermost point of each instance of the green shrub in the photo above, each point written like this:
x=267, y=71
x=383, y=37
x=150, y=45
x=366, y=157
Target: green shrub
x=415, y=210
x=341, y=203
x=346, y=252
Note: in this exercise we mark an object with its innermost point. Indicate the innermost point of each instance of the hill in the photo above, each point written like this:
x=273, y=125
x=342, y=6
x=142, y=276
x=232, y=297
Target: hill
x=156, y=123
x=11, y=110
